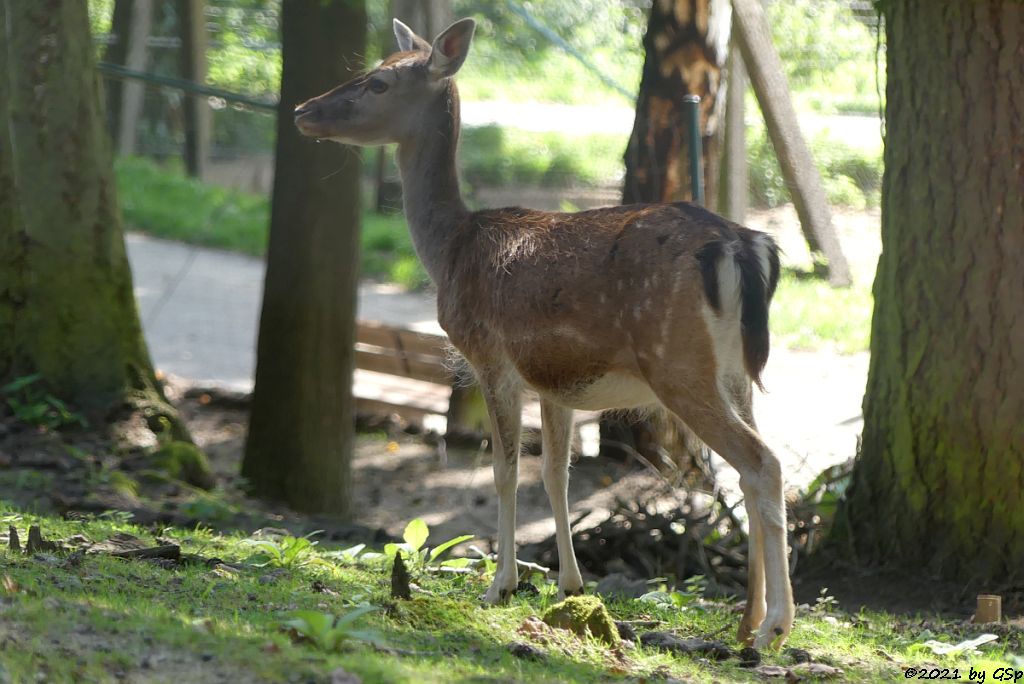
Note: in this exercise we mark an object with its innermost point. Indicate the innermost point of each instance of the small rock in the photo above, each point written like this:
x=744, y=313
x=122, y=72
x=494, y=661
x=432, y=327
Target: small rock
x=772, y=671
x=816, y=670
x=527, y=589
x=525, y=651
x=584, y=616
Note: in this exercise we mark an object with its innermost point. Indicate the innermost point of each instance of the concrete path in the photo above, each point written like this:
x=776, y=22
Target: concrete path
x=200, y=312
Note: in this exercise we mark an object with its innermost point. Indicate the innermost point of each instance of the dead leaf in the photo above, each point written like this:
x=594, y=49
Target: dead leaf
x=10, y=585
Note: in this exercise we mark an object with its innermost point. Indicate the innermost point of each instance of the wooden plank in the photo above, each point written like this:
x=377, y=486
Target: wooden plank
x=381, y=335
x=798, y=169
x=415, y=366
x=426, y=397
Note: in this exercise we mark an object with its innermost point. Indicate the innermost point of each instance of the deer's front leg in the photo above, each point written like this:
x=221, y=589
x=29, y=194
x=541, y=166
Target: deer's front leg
x=504, y=405
x=556, y=430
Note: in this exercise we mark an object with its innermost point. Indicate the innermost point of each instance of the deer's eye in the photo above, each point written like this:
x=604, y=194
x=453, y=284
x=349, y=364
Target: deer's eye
x=377, y=86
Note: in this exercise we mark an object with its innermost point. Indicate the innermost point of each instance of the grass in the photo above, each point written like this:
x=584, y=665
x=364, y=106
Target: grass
x=809, y=315
x=98, y=618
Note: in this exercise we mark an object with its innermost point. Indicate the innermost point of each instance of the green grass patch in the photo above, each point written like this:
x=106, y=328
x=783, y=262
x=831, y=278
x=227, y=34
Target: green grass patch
x=227, y=616
x=808, y=314
x=160, y=200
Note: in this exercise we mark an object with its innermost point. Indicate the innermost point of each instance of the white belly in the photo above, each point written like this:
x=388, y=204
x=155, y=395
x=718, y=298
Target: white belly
x=610, y=391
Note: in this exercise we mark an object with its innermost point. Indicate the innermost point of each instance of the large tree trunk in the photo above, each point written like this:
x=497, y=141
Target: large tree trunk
x=939, y=481
x=686, y=46
x=301, y=429
x=67, y=309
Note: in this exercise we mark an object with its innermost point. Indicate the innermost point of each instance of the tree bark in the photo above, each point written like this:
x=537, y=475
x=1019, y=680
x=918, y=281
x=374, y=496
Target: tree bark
x=67, y=309
x=301, y=429
x=426, y=17
x=686, y=46
x=940, y=477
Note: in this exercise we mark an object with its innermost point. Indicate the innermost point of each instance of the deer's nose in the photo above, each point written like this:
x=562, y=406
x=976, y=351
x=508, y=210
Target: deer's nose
x=303, y=108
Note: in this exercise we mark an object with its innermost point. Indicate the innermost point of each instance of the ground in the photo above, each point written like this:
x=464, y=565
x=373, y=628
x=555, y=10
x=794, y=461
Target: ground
x=221, y=611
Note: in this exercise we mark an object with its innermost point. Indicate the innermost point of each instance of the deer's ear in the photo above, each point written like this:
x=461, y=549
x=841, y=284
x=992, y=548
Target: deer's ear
x=407, y=40
x=450, y=48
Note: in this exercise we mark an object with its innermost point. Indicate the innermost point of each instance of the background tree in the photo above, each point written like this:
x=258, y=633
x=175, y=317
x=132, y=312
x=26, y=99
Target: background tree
x=686, y=46
x=67, y=309
x=301, y=428
x=940, y=476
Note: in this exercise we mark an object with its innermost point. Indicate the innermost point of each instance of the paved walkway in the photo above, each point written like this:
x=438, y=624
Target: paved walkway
x=200, y=310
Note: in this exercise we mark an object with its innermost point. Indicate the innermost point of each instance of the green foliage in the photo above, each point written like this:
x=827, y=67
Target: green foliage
x=495, y=156
x=328, y=632
x=418, y=556
x=32, y=404
x=828, y=54
x=852, y=175
x=286, y=552
x=809, y=314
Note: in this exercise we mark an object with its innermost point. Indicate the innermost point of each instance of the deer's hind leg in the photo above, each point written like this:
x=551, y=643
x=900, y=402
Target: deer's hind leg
x=717, y=419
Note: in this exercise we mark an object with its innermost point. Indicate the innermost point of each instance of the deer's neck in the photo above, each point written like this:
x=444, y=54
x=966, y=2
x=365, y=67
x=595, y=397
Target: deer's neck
x=430, y=183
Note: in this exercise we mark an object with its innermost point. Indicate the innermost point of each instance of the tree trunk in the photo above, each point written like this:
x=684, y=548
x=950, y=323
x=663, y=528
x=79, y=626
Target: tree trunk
x=197, y=115
x=67, y=309
x=426, y=17
x=117, y=53
x=301, y=429
x=686, y=45
x=939, y=480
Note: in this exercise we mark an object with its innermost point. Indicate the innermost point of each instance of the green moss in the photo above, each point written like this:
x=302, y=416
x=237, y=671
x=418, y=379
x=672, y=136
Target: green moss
x=184, y=461
x=585, y=616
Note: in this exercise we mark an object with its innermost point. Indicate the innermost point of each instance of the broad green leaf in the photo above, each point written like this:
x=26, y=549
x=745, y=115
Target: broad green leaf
x=354, y=615
x=416, y=533
x=438, y=550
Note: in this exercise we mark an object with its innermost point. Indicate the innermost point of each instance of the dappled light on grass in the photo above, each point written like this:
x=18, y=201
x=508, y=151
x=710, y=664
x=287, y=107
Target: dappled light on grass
x=808, y=314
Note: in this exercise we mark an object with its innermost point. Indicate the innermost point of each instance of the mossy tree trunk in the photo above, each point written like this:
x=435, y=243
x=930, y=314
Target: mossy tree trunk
x=301, y=429
x=940, y=478
x=67, y=309
x=686, y=46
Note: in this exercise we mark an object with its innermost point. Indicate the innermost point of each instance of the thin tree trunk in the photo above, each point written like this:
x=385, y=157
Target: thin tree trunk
x=939, y=481
x=67, y=309
x=686, y=46
x=133, y=92
x=301, y=429
x=117, y=53
x=197, y=115
x=795, y=161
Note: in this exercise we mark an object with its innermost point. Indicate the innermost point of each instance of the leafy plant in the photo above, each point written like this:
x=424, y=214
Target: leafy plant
x=286, y=552
x=33, y=405
x=327, y=631
x=418, y=556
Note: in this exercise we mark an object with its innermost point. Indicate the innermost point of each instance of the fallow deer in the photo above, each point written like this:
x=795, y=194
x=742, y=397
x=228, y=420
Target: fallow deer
x=615, y=308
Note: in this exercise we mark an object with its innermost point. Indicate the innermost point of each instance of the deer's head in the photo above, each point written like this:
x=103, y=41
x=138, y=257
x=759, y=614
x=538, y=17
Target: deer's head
x=386, y=104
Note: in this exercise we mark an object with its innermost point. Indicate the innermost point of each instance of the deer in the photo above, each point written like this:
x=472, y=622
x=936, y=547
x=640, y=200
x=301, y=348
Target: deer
x=622, y=307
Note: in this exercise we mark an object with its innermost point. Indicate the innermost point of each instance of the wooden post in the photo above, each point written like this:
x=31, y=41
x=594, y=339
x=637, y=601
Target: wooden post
x=192, y=30
x=735, y=179
x=133, y=92
x=798, y=169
